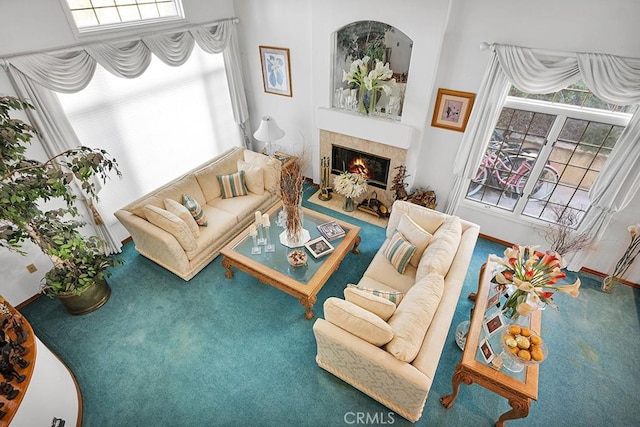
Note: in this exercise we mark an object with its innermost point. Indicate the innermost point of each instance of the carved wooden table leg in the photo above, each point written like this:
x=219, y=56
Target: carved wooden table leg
x=227, y=266
x=459, y=376
x=357, y=241
x=308, y=302
x=519, y=409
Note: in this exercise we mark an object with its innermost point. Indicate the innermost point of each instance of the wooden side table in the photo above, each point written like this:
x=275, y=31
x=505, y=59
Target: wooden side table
x=518, y=388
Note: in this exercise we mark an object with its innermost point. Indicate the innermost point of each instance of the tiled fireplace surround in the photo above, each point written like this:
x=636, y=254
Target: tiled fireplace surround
x=374, y=136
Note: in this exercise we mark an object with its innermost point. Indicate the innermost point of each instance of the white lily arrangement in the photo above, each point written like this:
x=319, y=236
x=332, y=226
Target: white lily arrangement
x=371, y=77
x=350, y=184
x=629, y=255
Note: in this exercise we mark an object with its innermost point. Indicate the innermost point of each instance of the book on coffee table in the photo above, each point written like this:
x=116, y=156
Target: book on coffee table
x=331, y=230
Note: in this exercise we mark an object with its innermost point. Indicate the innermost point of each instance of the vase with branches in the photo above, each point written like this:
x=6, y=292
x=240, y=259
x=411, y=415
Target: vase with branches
x=27, y=188
x=561, y=235
x=291, y=182
x=628, y=257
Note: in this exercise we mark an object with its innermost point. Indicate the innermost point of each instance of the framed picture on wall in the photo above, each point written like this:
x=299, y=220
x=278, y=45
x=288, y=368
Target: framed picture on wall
x=452, y=109
x=276, y=70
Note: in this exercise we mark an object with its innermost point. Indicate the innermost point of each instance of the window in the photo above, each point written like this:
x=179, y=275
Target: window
x=159, y=125
x=92, y=15
x=545, y=153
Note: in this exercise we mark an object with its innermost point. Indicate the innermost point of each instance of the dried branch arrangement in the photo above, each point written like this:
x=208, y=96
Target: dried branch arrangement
x=291, y=183
x=561, y=235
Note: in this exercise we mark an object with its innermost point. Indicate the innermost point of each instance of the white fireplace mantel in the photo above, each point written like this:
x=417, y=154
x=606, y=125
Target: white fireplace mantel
x=374, y=129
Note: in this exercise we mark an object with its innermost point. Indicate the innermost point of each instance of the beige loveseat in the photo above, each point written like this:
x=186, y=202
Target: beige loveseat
x=166, y=232
x=390, y=350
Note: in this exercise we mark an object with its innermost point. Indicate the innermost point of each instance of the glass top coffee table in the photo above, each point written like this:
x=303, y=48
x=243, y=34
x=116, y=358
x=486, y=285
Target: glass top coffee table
x=272, y=268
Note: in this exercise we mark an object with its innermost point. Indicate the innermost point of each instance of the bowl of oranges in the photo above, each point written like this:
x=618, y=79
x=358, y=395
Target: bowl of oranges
x=522, y=346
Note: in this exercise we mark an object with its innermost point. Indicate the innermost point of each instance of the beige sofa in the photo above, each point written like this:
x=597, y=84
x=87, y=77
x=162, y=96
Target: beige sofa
x=390, y=350
x=167, y=233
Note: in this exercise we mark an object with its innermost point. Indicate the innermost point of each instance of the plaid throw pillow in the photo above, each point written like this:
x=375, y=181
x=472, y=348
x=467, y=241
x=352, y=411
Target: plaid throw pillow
x=232, y=185
x=195, y=209
x=393, y=296
x=399, y=251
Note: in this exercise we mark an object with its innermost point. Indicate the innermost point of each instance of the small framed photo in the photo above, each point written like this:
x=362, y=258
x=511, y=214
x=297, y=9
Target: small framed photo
x=493, y=324
x=486, y=350
x=493, y=301
x=276, y=70
x=319, y=247
x=452, y=109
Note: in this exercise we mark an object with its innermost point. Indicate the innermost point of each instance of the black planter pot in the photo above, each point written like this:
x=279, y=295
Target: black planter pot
x=91, y=299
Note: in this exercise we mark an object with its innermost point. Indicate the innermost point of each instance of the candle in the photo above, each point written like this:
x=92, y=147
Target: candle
x=258, y=217
x=253, y=231
x=265, y=220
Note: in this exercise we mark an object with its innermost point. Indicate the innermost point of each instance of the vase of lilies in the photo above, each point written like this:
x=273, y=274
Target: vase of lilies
x=350, y=185
x=533, y=277
x=371, y=78
x=625, y=260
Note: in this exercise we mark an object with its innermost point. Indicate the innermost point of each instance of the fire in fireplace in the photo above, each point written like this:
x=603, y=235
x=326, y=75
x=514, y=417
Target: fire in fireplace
x=375, y=169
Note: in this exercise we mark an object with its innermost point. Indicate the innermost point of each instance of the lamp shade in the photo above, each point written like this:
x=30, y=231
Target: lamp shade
x=268, y=131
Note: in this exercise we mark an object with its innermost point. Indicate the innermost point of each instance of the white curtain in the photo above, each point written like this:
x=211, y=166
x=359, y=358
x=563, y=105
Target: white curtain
x=34, y=76
x=611, y=78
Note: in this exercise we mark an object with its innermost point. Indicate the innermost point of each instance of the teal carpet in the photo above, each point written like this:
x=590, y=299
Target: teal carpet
x=220, y=352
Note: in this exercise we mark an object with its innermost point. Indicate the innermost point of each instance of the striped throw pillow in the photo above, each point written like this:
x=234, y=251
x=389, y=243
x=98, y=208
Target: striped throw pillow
x=399, y=251
x=232, y=185
x=195, y=209
x=393, y=296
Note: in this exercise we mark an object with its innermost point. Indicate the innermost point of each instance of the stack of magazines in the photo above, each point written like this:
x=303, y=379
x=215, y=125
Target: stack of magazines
x=331, y=230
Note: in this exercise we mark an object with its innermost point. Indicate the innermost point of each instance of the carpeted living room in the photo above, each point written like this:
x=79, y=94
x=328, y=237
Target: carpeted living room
x=435, y=134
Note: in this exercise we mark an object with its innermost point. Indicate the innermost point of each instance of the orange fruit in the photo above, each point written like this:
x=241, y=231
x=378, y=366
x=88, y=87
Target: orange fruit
x=524, y=355
x=525, y=332
x=507, y=337
x=536, y=354
x=514, y=350
x=514, y=329
x=535, y=340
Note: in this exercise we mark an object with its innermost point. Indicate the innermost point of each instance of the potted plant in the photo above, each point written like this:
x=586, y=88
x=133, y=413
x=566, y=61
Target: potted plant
x=38, y=203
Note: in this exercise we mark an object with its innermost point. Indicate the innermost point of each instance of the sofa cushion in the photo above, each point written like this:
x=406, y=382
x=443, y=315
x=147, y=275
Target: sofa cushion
x=179, y=210
x=413, y=317
x=254, y=176
x=240, y=207
x=196, y=210
x=380, y=271
x=271, y=168
x=174, y=190
x=440, y=253
x=232, y=185
x=426, y=218
x=399, y=251
x=381, y=307
x=416, y=235
x=393, y=296
x=357, y=321
x=171, y=224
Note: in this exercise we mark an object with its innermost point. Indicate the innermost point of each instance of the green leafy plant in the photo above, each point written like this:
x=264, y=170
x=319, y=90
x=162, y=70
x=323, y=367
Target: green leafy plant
x=27, y=186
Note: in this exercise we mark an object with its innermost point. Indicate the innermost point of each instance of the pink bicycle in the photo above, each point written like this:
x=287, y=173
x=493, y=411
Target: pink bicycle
x=504, y=171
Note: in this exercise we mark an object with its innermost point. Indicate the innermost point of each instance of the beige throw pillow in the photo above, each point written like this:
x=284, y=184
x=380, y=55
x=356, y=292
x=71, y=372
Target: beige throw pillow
x=357, y=321
x=413, y=316
x=179, y=210
x=171, y=224
x=379, y=306
x=271, y=168
x=443, y=248
x=416, y=235
x=253, y=175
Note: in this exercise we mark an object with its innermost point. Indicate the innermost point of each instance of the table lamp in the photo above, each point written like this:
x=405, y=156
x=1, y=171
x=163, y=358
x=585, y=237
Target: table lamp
x=267, y=132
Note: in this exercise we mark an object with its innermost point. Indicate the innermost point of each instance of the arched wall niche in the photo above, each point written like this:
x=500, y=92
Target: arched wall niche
x=377, y=40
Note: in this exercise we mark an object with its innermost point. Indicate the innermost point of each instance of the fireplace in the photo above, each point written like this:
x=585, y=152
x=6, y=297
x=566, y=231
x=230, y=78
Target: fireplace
x=374, y=168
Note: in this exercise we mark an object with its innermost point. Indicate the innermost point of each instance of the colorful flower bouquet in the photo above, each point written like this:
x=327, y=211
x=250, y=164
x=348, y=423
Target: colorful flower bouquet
x=534, y=275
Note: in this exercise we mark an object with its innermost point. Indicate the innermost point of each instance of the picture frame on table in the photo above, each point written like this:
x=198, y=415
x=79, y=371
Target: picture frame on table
x=276, y=70
x=319, y=247
x=493, y=324
x=486, y=350
x=453, y=109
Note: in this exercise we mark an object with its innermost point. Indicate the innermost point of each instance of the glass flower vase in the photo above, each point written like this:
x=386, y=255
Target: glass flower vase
x=293, y=217
x=607, y=284
x=349, y=205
